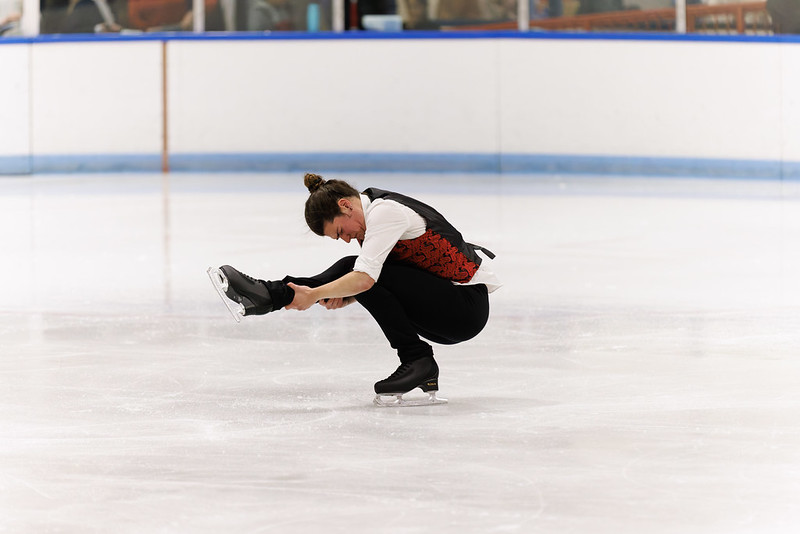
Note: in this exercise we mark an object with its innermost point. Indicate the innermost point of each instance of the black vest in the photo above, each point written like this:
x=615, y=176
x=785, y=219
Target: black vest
x=441, y=250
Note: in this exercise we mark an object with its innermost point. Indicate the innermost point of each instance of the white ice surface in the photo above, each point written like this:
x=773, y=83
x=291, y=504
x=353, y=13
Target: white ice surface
x=640, y=372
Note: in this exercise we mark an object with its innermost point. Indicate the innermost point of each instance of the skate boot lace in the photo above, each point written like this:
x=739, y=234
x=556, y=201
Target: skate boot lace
x=400, y=371
x=248, y=277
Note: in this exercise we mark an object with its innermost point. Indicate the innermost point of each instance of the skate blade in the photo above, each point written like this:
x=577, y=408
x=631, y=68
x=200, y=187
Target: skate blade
x=220, y=283
x=390, y=400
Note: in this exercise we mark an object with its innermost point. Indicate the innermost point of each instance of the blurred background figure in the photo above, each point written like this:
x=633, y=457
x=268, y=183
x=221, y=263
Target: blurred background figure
x=461, y=11
x=382, y=7
x=546, y=8
x=178, y=15
x=79, y=16
x=53, y=14
x=269, y=15
x=90, y=16
x=10, y=15
x=434, y=14
x=785, y=15
x=414, y=13
x=502, y=9
x=599, y=6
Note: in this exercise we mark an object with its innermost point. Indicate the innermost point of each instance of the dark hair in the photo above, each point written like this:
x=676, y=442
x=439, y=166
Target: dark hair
x=323, y=200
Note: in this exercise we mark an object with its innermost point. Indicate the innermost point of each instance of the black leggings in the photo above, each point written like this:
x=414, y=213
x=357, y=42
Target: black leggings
x=408, y=302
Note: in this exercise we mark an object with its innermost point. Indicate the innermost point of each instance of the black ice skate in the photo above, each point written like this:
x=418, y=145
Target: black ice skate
x=242, y=294
x=422, y=373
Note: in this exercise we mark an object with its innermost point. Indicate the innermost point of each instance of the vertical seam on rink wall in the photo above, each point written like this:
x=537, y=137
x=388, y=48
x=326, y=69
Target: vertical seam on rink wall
x=164, y=110
x=30, y=109
x=781, y=116
x=165, y=190
x=498, y=102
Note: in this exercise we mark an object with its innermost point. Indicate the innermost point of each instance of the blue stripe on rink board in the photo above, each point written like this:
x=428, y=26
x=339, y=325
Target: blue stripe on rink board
x=97, y=163
x=485, y=163
x=351, y=162
x=646, y=166
x=15, y=164
x=399, y=162
x=790, y=170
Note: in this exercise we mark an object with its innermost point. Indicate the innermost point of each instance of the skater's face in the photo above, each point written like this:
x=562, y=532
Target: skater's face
x=350, y=224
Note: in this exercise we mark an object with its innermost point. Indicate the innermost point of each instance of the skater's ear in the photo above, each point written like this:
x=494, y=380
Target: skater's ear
x=345, y=205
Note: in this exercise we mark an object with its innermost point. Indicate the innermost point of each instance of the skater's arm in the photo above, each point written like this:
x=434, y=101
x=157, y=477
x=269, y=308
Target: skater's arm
x=349, y=285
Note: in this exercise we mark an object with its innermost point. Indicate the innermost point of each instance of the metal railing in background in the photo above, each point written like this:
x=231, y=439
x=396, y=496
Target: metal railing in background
x=200, y=16
x=750, y=17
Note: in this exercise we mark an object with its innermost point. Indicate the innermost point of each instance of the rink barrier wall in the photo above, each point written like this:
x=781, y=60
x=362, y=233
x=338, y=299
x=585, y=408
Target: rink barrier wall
x=485, y=163
x=501, y=102
x=372, y=162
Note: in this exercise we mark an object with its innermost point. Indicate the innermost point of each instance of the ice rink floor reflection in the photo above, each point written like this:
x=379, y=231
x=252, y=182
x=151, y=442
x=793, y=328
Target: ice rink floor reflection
x=639, y=373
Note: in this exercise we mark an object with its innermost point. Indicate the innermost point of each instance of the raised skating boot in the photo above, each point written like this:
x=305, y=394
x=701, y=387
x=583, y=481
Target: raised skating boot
x=242, y=294
x=422, y=373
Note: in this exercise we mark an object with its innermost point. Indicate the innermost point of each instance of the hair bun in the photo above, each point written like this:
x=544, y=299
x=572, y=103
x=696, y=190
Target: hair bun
x=313, y=181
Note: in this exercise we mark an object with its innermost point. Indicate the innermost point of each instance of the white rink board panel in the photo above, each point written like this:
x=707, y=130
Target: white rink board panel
x=333, y=96
x=716, y=104
x=97, y=98
x=790, y=98
x=14, y=93
x=641, y=98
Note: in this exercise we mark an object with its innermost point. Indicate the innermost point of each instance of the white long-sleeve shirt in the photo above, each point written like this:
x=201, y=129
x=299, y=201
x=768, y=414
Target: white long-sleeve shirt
x=388, y=222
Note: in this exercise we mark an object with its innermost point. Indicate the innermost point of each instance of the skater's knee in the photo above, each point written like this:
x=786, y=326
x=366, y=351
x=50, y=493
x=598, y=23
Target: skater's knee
x=365, y=297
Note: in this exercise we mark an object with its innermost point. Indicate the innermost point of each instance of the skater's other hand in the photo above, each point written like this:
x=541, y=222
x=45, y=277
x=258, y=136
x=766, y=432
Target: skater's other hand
x=303, y=298
x=336, y=303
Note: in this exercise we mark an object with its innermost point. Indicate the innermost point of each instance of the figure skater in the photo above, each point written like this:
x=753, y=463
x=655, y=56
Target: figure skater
x=415, y=275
